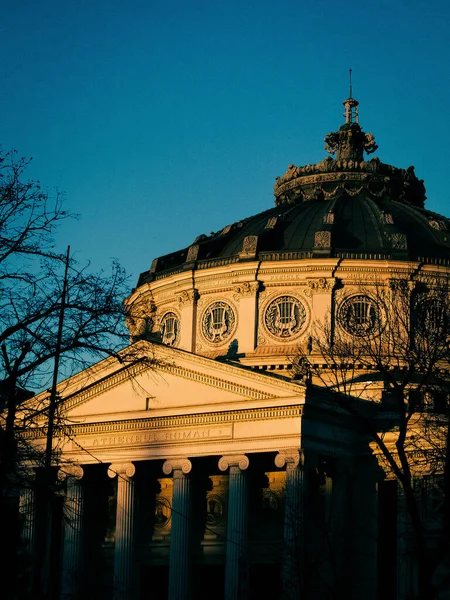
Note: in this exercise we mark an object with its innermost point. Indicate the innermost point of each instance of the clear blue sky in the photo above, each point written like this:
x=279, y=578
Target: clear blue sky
x=164, y=120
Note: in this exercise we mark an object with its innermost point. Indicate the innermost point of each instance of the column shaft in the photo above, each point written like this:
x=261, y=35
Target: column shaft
x=73, y=530
x=293, y=555
x=124, y=542
x=236, y=568
x=180, y=536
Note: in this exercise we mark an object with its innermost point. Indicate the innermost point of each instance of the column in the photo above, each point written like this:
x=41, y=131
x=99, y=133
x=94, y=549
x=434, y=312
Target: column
x=27, y=508
x=364, y=529
x=123, y=551
x=406, y=571
x=293, y=563
x=236, y=568
x=340, y=526
x=72, y=575
x=180, y=536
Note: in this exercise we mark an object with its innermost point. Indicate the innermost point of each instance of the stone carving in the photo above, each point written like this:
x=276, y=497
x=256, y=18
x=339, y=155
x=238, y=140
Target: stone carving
x=246, y=289
x=170, y=329
x=349, y=173
x=291, y=457
x=121, y=469
x=163, y=512
x=350, y=142
x=249, y=246
x=414, y=188
x=359, y=315
x=285, y=317
x=240, y=460
x=192, y=253
x=187, y=297
x=321, y=284
x=154, y=265
x=218, y=322
x=322, y=239
x=226, y=230
x=399, y=285
x=70, y=470
x=439, y=225
x=141, y=318
x=271, y=223
x=398, y=241
x=386, y=218
x=215, y=510
x=177, y=464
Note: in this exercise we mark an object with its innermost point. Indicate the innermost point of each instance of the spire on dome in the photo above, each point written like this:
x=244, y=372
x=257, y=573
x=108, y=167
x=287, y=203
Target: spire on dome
x=350, y=142
x=351, y=106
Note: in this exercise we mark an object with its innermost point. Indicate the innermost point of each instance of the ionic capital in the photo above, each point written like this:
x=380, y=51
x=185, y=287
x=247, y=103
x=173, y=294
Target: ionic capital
x=121, y=469
x=177, y=464
x=291, y=457
x=237, y=460
x=70, y=470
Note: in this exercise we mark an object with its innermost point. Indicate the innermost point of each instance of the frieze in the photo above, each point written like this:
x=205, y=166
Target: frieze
x=216, y=283
x=283, y=277
x=135, y=429
x=149, y=438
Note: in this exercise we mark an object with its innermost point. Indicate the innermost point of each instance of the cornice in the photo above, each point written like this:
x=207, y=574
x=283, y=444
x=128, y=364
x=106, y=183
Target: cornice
x=170, y=422
x=163, y=364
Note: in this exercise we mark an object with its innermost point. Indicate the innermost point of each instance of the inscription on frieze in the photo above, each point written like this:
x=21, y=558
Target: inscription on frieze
x=158, y=436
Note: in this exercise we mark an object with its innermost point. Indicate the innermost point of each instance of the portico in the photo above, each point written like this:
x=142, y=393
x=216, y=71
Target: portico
x=216, y=488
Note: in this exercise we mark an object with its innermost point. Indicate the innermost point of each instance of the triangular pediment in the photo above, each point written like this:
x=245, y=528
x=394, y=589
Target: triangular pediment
x=163, y=381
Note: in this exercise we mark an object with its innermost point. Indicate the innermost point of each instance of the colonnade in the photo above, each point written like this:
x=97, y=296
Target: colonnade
x=236, y=551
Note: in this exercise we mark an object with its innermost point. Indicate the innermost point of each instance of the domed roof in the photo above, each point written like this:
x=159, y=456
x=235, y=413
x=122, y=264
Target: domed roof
x=343, y=207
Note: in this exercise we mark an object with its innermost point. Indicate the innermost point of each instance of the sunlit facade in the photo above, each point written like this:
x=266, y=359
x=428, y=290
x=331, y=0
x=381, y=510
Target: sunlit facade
x=206, y=466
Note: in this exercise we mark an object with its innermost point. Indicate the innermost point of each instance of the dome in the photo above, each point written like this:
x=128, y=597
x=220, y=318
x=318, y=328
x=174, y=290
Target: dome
x=255, y=290
x=343, y=207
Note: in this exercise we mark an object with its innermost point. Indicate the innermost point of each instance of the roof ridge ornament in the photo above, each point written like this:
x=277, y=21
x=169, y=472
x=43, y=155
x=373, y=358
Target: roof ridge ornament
x=351, y=106
x=350, y=142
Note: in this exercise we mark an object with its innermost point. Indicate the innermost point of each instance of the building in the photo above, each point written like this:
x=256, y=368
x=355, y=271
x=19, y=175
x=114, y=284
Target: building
x=203, y=464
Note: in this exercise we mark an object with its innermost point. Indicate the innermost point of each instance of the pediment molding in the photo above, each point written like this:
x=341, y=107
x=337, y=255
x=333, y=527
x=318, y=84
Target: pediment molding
x=135, y=426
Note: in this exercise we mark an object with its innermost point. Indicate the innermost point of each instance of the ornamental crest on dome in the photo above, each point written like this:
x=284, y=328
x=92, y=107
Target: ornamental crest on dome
x=192, y=253
x=398, y=241
x=218, y=322
x=285, y=317
x=322, y=239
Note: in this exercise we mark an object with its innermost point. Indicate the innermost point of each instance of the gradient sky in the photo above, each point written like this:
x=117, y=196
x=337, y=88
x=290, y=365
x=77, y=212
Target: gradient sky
x=164, y=120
